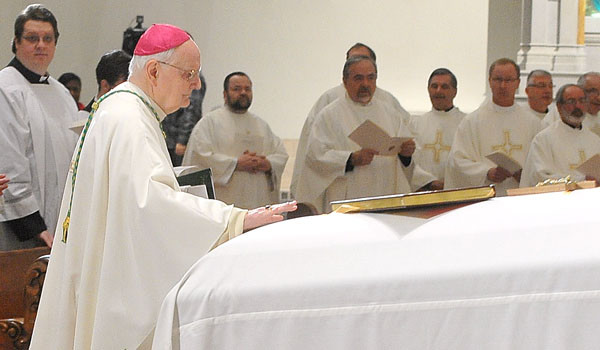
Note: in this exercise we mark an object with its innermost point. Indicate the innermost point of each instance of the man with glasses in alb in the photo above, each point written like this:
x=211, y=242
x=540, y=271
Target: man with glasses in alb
x=499, y=124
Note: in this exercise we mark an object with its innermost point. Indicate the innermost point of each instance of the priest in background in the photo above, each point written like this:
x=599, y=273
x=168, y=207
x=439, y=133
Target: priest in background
x=590, y=82
x=127, y=233
x=336, y=167
x=111, y=70
x=435, y=129
x=539, y=91
x=564, y=145
x=358, y=49
x=36, y=112
x=246, y=157
x=499, y=124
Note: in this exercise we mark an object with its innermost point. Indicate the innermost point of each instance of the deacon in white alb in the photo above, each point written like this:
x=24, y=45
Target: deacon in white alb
x=561, y=147
x=127, y=233
x=435, y=129
x=246, y=158
x=358, y=49
x=336, y=167
x=497, y=125
x=35, y=114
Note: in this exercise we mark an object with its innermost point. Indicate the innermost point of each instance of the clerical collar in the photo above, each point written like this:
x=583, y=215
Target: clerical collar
x=573, y=127
x=31, y=77
x=445, y=110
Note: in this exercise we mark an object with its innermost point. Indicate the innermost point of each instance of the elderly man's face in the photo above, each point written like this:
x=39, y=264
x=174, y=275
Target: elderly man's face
x=539, y=92
x=36, y=47
x=573, y=107
x=592, y=89
x=361, y=82
x=504, y=83
x=441, y=92
x=239, y=93
x=174, y=88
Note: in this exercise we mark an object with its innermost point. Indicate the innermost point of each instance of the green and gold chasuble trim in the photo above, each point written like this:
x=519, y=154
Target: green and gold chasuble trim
x=75, y=164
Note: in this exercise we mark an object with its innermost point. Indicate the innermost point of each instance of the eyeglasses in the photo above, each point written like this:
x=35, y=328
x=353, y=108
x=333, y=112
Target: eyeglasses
x=592, y=91
x=504, y=80
x=572, y=101
x=34, y=39
x=542, y=85
x=188, y=75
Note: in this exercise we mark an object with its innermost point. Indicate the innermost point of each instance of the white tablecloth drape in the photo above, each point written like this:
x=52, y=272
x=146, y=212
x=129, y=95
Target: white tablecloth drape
x=508, y=273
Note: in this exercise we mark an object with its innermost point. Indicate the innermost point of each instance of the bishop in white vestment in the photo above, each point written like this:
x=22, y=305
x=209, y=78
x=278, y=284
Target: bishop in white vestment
x=564, y=145
x=230, y=132
x=127, y=233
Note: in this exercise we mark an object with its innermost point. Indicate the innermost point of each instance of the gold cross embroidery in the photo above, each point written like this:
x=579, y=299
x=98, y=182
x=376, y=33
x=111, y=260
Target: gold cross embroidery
x=507, y=147
x=582, y=159
x=437, y=147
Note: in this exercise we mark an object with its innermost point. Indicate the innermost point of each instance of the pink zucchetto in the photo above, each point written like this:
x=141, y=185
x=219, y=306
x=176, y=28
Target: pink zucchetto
x=159, y=38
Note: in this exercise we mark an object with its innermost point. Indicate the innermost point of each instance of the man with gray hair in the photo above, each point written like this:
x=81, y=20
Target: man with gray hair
x=539, y=92
x=358, y=49
x=561, y=147
x=127, y=232
x=590, y=82
x=338, y=168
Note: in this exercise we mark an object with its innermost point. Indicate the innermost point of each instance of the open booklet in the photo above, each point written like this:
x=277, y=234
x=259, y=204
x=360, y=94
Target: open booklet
x=195, y=180
x=370, y=135
x=405, y=203
x=591, y=167
x=505, y=161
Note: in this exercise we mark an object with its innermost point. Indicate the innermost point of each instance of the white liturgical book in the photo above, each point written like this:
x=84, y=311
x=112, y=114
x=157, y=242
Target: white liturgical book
x=77, y=126
x=591, y=167
x=184, y=170
x=505, y=161
x=370, y=135
x=198, y=190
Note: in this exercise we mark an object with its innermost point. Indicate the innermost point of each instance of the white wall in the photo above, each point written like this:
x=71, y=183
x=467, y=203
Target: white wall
x=292, y=50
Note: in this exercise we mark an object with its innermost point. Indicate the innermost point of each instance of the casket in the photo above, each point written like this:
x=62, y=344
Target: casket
x=507, y=273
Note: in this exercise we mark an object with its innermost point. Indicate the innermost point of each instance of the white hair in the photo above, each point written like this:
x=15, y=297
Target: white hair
x=139, y=62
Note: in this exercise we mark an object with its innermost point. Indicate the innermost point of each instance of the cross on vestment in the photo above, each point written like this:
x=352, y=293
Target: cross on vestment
x=438, y=146
x=582, y=158
x=507, y=147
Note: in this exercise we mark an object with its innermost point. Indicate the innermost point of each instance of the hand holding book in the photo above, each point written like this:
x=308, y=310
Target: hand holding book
x=370, y=136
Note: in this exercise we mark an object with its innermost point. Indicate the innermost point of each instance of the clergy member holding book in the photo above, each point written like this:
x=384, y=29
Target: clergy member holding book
x=499, y=124
x=338, y=167
x=561, y=147
x=127, y=233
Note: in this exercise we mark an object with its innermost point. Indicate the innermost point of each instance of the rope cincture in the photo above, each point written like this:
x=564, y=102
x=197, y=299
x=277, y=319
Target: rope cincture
x=75, y=165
